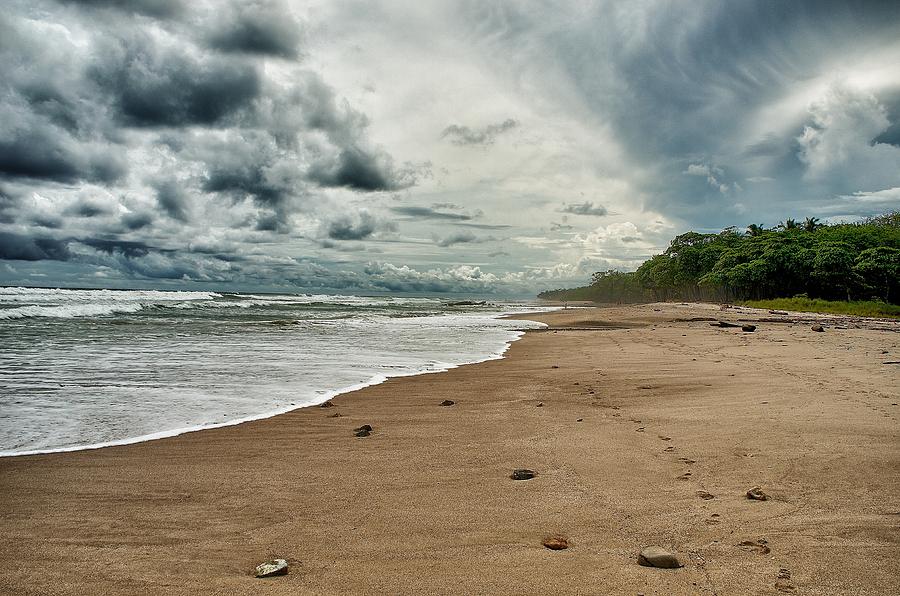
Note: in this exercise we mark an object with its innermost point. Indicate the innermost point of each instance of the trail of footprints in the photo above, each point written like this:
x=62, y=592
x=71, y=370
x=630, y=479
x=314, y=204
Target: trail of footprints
x=760, y=546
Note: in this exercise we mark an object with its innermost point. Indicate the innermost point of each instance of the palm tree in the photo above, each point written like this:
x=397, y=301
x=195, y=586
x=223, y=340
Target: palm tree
x=811, y=224
x=755, y=229
x=789, y=224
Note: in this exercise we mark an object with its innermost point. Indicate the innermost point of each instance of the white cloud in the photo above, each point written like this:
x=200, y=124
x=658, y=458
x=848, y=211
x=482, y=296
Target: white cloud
x=837, y=145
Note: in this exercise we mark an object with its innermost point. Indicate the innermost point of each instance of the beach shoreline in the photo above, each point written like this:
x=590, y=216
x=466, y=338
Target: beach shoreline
x=640, y=408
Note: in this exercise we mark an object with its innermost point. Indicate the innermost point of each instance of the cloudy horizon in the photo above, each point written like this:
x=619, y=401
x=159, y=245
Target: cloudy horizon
x=470, y=147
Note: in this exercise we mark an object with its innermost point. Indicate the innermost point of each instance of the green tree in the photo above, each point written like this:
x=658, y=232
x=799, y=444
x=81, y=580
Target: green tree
x=833, y=269
x=811, y=224
x=879, y=270
x=789, y=224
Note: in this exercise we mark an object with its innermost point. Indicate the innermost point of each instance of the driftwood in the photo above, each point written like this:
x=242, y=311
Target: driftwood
x=724, y=324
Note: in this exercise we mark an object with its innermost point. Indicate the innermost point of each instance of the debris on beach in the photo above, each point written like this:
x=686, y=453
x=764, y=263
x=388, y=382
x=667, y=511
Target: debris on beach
x=556, y=542
x=818, y=328
x=326, y=404
x=272, y=568
x=748, y=328
x=363, y=431
x=723, y=324
x=447, y=402
x=656, y=556
x=757, y=494
x=540, y=404
x=522, y=474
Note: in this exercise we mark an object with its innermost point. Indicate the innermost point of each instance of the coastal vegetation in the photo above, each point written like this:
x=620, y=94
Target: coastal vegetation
x=816, y=266
x=861, y=308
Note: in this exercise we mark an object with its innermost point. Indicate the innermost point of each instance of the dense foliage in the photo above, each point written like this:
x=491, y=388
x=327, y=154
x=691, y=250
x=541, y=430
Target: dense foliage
x=832, y=262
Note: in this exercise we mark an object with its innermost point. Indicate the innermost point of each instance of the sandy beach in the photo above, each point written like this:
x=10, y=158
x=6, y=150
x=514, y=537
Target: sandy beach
x=625, y=414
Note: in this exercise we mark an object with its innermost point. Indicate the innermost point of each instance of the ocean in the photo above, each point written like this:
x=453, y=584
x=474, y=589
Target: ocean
x=89, y=368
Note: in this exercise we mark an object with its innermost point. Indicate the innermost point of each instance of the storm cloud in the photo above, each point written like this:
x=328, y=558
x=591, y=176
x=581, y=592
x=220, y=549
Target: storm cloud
x=278, y=144
x=264, y=28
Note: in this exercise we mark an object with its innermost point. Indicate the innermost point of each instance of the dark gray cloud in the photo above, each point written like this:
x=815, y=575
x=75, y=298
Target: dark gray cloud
x=137, y=221
x=264, y=28
x=432, y=213
x=463, y=135
x=26, y=248
x=155, y=86
x=39, y=150
x=586, y=208
x=358, y=170
x=152, y=8
x=347, y=227
x=172, y=198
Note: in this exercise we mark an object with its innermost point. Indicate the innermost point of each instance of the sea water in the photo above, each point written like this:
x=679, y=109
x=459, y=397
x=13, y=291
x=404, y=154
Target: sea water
x=88, y=368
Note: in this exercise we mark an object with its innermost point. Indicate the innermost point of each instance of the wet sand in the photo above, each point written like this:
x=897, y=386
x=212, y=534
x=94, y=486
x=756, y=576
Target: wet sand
x=424, y=505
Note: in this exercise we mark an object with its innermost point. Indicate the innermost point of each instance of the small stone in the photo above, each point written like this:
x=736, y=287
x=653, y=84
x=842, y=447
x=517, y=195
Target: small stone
x=363, y=431
x=580, y=420
x=705, y=495
x=522, y=474
x=748, y=328
x=272, y=568
x=555, y=366
x=655, y=556
x=447, y=402
x=757, y=494
x=555, y=543
x=326, y=404
x=540, y=404
x=818, y=328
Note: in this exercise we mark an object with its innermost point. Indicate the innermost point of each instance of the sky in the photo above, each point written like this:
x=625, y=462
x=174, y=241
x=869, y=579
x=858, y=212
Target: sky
x=468, y=147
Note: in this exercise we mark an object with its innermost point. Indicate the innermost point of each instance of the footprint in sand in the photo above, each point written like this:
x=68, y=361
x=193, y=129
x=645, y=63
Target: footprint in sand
x=669, y=449
x=714, y=519
x=664, y=438
x=783, y=581
x=687, y=461
x=760, y=546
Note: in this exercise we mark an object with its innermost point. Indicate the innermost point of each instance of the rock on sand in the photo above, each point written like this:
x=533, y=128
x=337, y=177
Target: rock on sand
x=656, y=556
x=555, y=543
x=272, y=568
x=757, y=494
x=522, y=474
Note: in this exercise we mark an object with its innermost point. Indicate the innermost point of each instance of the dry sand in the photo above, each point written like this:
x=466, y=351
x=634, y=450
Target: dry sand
x=425, y=504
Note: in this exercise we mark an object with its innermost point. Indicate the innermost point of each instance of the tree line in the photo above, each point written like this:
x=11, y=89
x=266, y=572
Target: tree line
x=858, y=261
